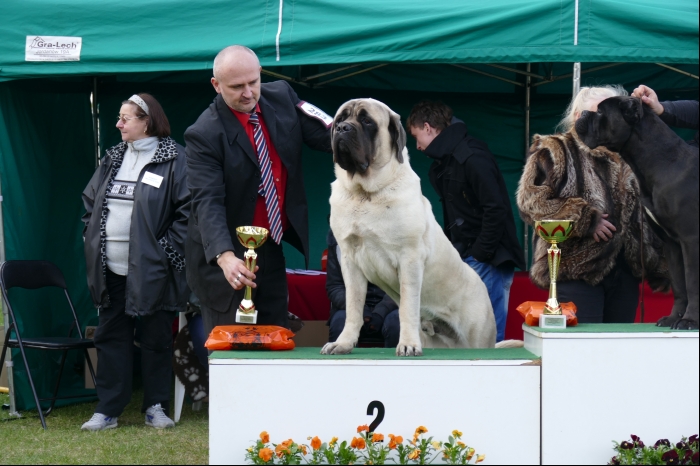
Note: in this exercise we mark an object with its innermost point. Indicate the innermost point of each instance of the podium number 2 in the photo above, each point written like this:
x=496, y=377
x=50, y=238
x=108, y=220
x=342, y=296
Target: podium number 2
x=380, y=414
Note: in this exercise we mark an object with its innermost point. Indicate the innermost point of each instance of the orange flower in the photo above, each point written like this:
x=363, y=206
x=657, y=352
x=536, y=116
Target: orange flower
x=333, y=441
x=456, y=434
x=376, y=437
x=364, y=428
x=398, y=439
x=283, y=448
x=358, y=443
x=414, y=454
x=303, y=449
x=461, y=444
x=264, y=436
x=265, y=454
x=480, y=458
x=315, y=443
x=470, y=453
x=421, y=430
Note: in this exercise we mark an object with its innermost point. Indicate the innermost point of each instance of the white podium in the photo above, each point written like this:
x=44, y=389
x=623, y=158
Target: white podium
x=492, y=396
x=604, y=382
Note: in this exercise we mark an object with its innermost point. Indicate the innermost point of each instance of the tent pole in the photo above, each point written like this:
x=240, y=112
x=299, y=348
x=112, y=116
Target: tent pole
x=526, y=227
x=488, y=74
x=95, y=121
x=6, y=321
x=569, y=75
x=577, y=79
x=677, y=70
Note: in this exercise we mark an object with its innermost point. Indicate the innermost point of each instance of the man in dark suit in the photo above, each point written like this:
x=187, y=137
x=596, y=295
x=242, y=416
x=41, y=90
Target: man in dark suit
x=244, y=168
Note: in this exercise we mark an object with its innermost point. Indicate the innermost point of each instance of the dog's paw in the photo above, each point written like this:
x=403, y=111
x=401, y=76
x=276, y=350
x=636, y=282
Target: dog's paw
x=408, y=349
x=668, y=321
x=685, y=324
x=336, y=348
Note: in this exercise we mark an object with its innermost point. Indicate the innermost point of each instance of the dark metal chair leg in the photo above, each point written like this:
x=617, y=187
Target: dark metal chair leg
x=92, y=371
x=58, y=383
x=31, y=384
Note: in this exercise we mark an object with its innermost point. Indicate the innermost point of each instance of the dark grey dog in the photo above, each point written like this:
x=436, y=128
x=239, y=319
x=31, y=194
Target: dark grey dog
x=667, y=169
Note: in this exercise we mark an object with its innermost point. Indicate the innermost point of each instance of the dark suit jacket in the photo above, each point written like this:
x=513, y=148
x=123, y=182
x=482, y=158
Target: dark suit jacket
x=223, y=176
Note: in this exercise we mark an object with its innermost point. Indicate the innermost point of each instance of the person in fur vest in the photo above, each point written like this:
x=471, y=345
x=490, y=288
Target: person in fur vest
x=601, y=263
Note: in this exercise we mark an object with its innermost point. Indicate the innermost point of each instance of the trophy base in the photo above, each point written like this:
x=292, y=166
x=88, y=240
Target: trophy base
x=246, y=317
x=552, y=321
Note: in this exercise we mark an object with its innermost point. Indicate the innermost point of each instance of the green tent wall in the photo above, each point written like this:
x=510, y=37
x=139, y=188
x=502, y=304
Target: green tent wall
x=396, y=51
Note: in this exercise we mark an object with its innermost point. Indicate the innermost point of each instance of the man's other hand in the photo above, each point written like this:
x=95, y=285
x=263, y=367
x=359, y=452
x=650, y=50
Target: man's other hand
x=649, y=97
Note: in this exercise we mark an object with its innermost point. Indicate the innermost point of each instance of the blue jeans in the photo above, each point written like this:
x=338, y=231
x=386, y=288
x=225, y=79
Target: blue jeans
x=390, y=328
x=498, y=280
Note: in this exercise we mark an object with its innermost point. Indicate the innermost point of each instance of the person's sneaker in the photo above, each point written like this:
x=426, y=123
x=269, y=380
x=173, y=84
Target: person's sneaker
x=155, y=417
x=100, y=422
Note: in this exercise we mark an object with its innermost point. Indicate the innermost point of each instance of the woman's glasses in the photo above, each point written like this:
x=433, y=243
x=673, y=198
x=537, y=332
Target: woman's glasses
x=125, y=119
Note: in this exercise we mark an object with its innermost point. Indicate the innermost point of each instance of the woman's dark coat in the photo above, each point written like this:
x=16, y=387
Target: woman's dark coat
x=156, y=277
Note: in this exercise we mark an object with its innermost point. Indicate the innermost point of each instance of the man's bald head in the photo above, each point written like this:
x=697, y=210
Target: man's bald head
x=234, y=56
x=237, y=77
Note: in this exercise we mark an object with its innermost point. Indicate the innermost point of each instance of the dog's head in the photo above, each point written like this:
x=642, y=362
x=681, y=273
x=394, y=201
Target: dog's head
x=612, y=125
x=365, y=133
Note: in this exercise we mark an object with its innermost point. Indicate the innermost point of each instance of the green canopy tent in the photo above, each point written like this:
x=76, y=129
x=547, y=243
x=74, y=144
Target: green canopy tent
x=505, y=66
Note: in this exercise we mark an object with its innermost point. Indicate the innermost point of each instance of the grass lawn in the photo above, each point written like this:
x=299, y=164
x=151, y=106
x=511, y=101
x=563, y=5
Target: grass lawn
x=25, y=442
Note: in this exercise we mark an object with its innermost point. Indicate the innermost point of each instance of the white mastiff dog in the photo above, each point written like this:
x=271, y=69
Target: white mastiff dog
x=388, y=235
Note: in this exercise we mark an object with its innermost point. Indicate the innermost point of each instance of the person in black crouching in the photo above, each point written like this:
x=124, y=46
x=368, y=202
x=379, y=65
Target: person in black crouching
x=381, y=313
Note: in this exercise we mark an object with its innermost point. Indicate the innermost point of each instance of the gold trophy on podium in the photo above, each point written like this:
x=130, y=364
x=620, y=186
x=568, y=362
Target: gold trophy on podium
x=251, y=238
x=553, y=232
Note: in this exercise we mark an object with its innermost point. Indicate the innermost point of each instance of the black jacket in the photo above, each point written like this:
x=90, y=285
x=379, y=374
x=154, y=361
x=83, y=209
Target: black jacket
x=223, y=176
x=155, y=279
x=478, y=217
x=682, y=114
x=376, y=300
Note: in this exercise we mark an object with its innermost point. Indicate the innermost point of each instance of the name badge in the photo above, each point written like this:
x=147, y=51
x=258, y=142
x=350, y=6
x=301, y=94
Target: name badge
x=152, y=179
x=315, y=112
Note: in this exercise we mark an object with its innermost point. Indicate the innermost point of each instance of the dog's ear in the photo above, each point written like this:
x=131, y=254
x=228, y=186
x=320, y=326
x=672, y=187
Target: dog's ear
x=398, y=135
x=632, y=110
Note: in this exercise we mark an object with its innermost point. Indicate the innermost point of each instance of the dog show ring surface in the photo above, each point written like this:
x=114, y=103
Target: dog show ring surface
x=492, y=396
x=604, y=382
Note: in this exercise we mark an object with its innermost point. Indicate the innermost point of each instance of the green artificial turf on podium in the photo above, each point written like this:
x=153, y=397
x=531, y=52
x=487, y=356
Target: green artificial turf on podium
x=611, y=328
x=383, y=354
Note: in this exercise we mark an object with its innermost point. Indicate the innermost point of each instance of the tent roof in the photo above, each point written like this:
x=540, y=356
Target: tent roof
x=173, y=35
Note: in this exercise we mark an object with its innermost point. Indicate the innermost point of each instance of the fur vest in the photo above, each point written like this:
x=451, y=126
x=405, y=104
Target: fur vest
x=564, y=179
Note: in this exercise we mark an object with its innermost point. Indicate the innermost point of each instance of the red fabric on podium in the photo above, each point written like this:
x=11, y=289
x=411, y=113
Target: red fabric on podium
x=308, y=300
x=656, y=305
x=307, y=296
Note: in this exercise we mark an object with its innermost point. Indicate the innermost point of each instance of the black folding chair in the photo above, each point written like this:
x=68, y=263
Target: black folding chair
x=33, y=275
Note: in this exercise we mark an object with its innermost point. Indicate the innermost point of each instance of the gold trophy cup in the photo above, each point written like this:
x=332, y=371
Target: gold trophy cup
x=553, y=232
x=251, y=238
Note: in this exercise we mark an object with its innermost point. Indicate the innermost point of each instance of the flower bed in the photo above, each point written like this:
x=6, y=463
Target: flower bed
x=634, y=451
x=367, y=448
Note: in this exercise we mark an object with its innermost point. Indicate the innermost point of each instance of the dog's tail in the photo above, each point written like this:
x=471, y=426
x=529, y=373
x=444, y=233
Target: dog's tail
x=510, y=344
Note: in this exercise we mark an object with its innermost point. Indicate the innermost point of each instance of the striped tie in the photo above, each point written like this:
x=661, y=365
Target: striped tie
x=267, y=186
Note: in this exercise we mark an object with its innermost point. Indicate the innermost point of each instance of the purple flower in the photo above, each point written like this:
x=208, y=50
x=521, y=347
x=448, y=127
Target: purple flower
x=662, y=441
x=681, y=445
x=640, y=444
x=693, y=439
x=634, y=438
x=626, y=445
x=670, y=457
x=695, y=458
x=614, y=460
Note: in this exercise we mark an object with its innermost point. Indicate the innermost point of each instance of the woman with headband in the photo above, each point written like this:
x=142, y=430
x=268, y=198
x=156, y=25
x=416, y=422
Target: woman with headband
x=137, y=206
